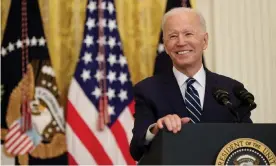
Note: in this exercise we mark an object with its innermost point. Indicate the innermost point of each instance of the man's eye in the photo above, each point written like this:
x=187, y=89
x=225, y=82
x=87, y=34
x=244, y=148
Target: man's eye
x=173, y=36
x=189, y=34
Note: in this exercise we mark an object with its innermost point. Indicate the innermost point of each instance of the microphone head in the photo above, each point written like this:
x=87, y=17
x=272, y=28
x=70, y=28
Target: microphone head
x=221, y=96
x=242, y=94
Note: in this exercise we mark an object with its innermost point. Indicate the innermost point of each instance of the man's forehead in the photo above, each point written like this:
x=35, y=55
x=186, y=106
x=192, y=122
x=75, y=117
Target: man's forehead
x=187, y=28
x=181, y=25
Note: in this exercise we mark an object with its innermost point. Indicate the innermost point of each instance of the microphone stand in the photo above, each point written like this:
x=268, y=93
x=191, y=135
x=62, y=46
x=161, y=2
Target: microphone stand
x=234, y=112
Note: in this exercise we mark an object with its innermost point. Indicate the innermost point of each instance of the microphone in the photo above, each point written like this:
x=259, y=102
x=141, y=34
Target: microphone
x=223, y=98
x=247, y=99
x=245, y=96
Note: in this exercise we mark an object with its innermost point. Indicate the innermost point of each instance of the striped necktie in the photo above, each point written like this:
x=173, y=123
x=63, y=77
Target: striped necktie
x=192, y=101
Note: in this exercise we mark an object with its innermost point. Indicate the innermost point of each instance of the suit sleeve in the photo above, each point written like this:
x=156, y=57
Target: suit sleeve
x=144, y=117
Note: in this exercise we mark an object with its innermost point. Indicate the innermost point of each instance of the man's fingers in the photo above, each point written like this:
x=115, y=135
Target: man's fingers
x=185, y=120
x=168, y=124
x=178, y=122
x=173, y=123
x=160, y=123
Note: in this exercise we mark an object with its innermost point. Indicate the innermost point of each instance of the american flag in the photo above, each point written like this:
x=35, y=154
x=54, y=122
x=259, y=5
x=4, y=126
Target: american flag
x=18, y=142
x=101, y=80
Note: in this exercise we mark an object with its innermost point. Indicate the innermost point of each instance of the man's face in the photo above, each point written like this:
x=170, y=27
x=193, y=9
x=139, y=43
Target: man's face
x=184, y=39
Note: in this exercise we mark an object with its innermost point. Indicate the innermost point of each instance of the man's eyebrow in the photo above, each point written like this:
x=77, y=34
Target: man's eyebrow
x=171, y=32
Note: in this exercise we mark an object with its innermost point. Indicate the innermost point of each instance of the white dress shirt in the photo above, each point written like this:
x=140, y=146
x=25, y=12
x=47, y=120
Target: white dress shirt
x=181, y=78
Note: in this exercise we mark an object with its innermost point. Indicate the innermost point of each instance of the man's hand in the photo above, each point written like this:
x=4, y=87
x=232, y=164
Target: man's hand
x=172, y=122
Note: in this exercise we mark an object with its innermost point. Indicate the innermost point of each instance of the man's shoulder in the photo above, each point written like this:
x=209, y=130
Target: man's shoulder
x=150, y=81
x=222, y=79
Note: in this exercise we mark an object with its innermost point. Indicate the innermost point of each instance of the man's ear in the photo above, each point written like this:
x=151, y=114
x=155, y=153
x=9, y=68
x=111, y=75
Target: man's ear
x=205, y=41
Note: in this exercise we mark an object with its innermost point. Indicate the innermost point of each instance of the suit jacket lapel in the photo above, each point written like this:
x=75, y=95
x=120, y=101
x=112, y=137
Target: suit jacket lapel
x=173, y=94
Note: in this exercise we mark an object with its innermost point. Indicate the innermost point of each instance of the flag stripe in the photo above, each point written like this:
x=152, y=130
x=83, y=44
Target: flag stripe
x=14, y=124
x=14, y=128
x=71, y=160
x=86, y=136
x=22, y=145
x=27, y=148
x=74, y=149
x=89, y=115
x=122, y=141
x=12, y=140
x=126, y=120
x=16, y=143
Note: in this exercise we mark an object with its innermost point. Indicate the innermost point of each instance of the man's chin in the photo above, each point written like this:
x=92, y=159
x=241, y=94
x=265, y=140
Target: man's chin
x=184, y=62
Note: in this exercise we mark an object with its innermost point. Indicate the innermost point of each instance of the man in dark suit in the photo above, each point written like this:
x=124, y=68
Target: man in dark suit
x=185, y=93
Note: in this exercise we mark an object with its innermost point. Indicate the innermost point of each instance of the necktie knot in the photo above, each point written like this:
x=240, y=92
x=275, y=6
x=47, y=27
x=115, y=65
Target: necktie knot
x=190, y=81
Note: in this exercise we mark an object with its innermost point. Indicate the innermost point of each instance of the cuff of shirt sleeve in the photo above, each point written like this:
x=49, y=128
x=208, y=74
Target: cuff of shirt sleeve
x=149, y=135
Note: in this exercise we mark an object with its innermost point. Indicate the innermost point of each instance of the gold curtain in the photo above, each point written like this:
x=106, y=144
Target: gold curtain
x=63, y=22
x=5, y=6
x=139, y=24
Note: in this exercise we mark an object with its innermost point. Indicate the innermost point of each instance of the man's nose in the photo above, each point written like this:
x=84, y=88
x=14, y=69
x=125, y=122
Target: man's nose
x=181, y=40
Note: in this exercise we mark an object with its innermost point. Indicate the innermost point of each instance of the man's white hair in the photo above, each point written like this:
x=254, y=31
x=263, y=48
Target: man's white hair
x=184, y=9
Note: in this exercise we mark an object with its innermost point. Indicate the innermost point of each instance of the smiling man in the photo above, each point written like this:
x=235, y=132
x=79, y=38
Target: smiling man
x=185, y=38
x=184, y=94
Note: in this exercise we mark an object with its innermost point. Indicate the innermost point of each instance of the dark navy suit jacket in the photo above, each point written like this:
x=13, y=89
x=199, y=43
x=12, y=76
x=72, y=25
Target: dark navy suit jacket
x=160, y=95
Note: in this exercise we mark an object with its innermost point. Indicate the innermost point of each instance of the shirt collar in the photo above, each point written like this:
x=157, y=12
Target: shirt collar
x=200, y=77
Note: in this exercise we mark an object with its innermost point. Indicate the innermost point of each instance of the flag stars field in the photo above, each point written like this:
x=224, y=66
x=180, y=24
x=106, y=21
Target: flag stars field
x=92, y=6
x=88, y=41
x=97, y=92
x=111, y=76
x=90, y=23
x=87, y=57
x=112, y=59
x=85, y=75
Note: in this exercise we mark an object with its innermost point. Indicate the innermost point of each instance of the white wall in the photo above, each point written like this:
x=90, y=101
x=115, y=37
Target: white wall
x=242, y=45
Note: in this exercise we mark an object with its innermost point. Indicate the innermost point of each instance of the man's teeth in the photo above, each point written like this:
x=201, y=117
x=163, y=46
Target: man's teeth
x=182, y=52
